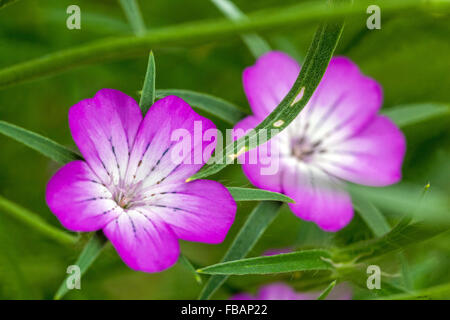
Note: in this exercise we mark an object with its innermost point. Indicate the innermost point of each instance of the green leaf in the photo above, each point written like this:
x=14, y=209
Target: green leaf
x=90, y=252
x=218, y=107
x=327, y=291
x=248, y=194
x=440, y=292
x=39, y=143
x=192, y=33
x=402, y=235
x=258, y=221
x=185, y=261
x=316, y=62
x=36, y=222
x=407, y=115
x=406, y=199
x=280, y=263
x=134, y=16
x=256, y=44
x=148, y=89
x=405, y=271
x=374, y=219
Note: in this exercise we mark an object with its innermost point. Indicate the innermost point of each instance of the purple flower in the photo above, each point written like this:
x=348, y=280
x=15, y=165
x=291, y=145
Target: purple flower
x=338, y=136
x=281, y=291
x=130, y=188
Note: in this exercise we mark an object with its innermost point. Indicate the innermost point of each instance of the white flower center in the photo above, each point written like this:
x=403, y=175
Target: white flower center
x=127, y=197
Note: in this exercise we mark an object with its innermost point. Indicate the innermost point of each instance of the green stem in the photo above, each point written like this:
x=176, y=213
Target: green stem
x=327, y=291
x=256, y=44
x=37, y=223
x=195, y=32
x=88, y=255
x=134, y=16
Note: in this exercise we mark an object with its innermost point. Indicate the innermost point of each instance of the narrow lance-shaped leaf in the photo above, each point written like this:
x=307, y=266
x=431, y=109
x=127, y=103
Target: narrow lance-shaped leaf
x=280, y=263
x=440, y=292
x=327, y=291
x=402, y=235
x=248, y=194
x=148, y=90
x=90, y=252
x=218, y=107
x=406, y=115
x=256, y=44
x=405, y=270
x=134, y=16
x=35, y=221
x=39, y=143
x=185, y=261
x=313, y=69
x=258, y=221
x=404, y=199
x=373, y=217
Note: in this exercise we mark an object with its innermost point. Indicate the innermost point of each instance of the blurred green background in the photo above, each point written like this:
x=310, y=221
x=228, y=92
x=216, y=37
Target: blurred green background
x=409, y=56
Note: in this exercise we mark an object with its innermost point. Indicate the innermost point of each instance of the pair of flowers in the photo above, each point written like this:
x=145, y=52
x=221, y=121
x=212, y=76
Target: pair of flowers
x=129, y=187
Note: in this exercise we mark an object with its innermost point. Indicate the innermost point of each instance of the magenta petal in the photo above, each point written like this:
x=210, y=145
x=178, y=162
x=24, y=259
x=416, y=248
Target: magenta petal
x=143, y=241
x=318, y=197
x=280, y=291
x=274, y=291
x=242, y=296
x=277, y=291
x=341, y=292
x=270, y=182
x=201, y=210
x=373, y=157
x=344, y=103
x=79, y=200
x=268, y=81
x=104, y=128
x=158, y=154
